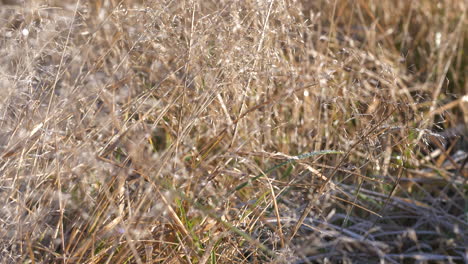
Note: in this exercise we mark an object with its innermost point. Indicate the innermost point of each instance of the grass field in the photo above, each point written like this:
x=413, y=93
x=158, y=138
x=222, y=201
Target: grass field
x=203, y=131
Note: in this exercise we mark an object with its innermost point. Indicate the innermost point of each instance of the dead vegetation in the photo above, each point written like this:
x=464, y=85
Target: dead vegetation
x=275, y=131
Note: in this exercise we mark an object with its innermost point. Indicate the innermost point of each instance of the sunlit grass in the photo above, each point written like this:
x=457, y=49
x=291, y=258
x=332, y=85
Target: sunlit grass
x=233, y=131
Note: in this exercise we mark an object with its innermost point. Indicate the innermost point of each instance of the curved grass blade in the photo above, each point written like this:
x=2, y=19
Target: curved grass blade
x=292, y=160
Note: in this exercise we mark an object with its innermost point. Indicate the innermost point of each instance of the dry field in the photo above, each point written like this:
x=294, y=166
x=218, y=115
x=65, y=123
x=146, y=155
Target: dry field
x=221, y=131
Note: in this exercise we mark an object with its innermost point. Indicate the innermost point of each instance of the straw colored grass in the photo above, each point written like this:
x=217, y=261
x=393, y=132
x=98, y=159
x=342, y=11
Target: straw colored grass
x=277, y=131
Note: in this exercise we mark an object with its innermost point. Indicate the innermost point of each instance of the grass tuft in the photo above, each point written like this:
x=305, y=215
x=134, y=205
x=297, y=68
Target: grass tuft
x=141, y=131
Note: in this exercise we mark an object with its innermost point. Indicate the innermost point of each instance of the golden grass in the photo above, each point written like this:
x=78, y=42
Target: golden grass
x=277, y=131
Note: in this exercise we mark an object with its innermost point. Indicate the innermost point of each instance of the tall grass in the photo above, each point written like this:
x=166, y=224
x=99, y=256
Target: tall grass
x=278, y=131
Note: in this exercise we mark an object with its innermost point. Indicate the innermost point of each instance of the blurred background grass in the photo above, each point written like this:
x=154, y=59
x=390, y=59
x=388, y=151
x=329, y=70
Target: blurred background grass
x=126, y=127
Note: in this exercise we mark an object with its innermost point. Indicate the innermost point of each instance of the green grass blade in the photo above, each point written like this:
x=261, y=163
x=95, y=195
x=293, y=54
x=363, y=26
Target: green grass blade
x=292, y=160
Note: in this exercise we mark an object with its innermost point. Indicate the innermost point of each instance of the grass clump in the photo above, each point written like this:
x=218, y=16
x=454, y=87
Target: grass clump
x=278, y=131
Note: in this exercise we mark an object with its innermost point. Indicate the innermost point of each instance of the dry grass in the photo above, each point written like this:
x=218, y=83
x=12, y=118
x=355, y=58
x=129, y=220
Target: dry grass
x=151, y=131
